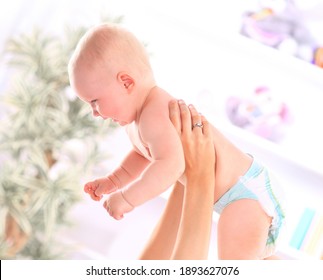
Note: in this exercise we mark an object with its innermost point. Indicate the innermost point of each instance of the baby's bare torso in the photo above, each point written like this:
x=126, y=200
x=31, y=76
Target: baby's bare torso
x=231, y=162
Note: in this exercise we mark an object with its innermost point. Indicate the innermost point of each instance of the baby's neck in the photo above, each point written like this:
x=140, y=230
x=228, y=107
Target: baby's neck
x=144, y=93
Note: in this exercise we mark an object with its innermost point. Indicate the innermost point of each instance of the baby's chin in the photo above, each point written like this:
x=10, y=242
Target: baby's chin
x=121, y=123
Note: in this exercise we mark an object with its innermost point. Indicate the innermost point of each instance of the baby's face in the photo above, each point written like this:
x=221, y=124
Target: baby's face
x=106, y=95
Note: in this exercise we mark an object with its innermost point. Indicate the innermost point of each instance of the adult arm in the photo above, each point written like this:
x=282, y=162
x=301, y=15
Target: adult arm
x=161, y=243
x=196, y=221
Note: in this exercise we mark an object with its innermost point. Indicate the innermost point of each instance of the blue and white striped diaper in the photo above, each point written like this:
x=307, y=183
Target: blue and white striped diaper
x=259, y=185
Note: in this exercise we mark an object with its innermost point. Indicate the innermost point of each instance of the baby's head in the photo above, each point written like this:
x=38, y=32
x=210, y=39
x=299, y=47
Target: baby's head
x=108, y=64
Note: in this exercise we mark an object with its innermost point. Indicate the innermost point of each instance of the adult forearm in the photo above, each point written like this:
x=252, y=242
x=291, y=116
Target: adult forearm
x=162, y=241
x=195, y=228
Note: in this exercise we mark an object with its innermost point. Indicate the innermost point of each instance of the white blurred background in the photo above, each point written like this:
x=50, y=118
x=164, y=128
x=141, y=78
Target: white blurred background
x=197, y=55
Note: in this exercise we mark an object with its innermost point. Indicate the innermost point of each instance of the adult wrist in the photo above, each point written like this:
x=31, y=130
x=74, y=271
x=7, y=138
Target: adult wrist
x=201, y=177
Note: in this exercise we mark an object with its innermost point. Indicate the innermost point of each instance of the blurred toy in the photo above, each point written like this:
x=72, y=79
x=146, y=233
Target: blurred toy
x=285, y=27
x=318, y=57
x=260, y=114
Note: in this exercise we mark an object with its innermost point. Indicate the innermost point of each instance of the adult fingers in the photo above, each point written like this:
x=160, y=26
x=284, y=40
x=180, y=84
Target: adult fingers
x=196, y=119
x=206, y=127
x=174, y=115
x=185, y=117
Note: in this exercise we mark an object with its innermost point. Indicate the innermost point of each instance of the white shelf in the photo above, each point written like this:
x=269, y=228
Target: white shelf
x=272, y=153
x=287, y=63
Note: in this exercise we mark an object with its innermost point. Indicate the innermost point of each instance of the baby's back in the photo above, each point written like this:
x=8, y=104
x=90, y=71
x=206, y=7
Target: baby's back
x=231, y=163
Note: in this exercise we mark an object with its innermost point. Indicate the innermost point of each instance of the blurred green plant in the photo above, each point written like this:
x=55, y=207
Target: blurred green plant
x=48, y=141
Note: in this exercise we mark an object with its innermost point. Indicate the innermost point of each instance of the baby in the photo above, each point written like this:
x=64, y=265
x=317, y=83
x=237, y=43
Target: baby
x=110, y=70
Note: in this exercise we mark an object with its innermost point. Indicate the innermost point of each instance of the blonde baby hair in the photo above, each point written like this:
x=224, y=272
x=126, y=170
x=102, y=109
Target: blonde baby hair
x=113, y=48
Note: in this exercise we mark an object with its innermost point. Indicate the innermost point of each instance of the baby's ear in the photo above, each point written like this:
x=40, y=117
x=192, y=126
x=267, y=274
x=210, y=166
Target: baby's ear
x=127, y=81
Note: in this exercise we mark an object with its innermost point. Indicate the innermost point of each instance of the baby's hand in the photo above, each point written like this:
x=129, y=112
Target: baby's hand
x=116, y=205
x=98, y=187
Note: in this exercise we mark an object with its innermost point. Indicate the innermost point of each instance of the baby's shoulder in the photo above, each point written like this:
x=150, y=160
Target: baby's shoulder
x=159, y=95
x=157, y=102
x=155, y=113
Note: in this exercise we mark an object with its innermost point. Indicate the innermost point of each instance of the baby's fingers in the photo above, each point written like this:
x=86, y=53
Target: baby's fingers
x=111, y=213
x=90, y=189
x=105, y=187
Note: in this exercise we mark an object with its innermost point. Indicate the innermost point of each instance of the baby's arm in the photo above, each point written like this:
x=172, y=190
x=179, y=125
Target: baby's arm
x=167, y=164
x=129, y=169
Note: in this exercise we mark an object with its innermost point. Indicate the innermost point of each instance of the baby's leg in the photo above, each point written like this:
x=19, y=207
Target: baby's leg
x=243, y=230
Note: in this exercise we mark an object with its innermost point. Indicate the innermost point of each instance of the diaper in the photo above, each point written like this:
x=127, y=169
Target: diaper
x=259, y=185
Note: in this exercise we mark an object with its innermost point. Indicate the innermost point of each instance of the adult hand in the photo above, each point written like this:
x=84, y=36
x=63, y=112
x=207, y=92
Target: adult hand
x=197, y=140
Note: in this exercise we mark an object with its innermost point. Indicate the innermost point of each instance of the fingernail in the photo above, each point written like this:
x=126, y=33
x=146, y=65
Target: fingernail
x=181, y=101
